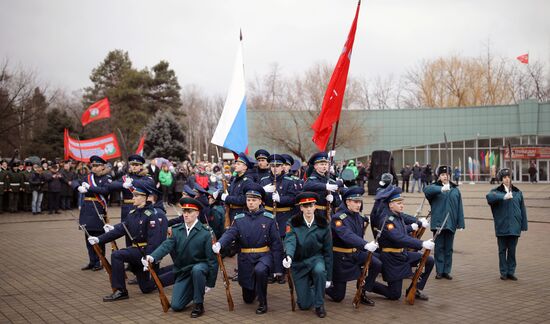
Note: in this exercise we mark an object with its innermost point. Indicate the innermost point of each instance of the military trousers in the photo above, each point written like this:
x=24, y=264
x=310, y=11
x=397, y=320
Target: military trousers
x=261, y=272
x=133, y=257
x=443, y=252
x=310, y=286
x=190, y=288
x=507, y=254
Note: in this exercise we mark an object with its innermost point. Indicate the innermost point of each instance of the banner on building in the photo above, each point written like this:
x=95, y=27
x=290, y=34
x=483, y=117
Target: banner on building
x=528, y=153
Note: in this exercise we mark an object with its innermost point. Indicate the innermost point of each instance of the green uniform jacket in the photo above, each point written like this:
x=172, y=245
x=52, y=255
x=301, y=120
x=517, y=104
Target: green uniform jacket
x=197, y=248
x=443, y=202
x=307, y=246
x=3, y=181
x=16, y=180
x=509, y=215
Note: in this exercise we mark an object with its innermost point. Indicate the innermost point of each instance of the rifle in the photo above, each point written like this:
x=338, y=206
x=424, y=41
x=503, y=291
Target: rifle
x=421, y=231
x=364, y=273
x=418, y=211
x=105, y=220
x=227, y=219
x=411, y=295
x=226, y=281
x=101, y=257
x=163, y=300
x=510, y=162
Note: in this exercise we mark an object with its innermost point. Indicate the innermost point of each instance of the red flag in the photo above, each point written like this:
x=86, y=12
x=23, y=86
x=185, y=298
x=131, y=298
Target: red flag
x=104, y=146
x=140, y=145
x=334, y=96
x=96, y=111
x=523, y=58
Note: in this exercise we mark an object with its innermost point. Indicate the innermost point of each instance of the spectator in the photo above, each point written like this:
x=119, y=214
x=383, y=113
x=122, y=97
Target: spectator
x=166, y=180
x=54, y=188
x=37, y=182
x=456, y=174
x=532, y=173
x=417, y=174
x=405, y=175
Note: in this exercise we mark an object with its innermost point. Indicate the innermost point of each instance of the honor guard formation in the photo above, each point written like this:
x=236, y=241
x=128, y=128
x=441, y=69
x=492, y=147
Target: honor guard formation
x=302, y=227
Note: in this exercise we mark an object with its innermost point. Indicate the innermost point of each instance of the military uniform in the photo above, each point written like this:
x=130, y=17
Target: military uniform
x=96, y=195
x=394, y=242
x=257, y=173
x=510, y=217
x=260, y=245
x=310, y=248
x=236, y=198
x=26, y=195
x=15, y=185
x=4, y=185
x=443, y=202
x=318, y=183
x=349, y=253
x=195, y=266
x=288, y=163
x=66, y=189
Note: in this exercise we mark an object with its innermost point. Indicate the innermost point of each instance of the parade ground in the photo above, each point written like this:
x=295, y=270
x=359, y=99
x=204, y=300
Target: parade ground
x=41, y=280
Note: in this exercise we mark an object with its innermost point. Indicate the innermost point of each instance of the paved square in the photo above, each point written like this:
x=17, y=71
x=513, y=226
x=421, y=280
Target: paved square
x=41, y=281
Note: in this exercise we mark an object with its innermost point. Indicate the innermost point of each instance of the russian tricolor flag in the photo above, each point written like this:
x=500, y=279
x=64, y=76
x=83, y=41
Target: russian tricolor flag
x=232, y=131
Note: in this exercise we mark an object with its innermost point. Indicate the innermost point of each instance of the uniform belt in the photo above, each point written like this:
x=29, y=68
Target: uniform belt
x=1, y=183
x=26, y=182
x=255, y=250
x=343, y=250
x=394, y=250
x=139, y=244
x=279, y=209
x=235, y=206
x=320, y=207
x=90, y=199
x=15, y=184
x=128, y=201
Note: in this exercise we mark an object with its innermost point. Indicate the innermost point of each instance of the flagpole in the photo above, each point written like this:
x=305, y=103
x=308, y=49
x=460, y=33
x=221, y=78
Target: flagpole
x=334, y=142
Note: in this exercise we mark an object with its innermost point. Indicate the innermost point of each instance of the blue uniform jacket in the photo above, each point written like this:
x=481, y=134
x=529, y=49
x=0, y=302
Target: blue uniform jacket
x=236, y=198
x=348, y=229
x=287, y=192
x=509, y=215
x=144, y=224
x=254, y=230
x=99, y=188
x=318, y=183
x=443, y=203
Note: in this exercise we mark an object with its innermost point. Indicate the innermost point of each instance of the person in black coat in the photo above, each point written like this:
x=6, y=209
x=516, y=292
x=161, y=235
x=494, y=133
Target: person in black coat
x=54, y=181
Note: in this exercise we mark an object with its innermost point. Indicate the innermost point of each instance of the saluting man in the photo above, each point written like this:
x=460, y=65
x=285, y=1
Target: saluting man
x=510, y=219
x=394, y=242
x=256, y=233
x=195, y=266
x=444, y=197
x=320, y=182
x=308, y=248
x=96, y=192
x=148, y=231
x=350, y=248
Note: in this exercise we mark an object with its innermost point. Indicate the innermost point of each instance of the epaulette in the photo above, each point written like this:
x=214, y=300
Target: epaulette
x=268, y=215
x=264, y=178
x=245, y=178
x=391, y=218
x=289, y=178
x=239, y=216
x=312, y=177
x=177, y=225
x=206, y=227
x=343, y=216
x=147, y=212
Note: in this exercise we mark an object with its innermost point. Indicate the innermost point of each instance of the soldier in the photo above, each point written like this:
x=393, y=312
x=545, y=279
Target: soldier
x=510, y=219
x=66, y=189
x=288, y=162
x=4, y=182
x=195, y=266
x=262, y=168
x=235, y=197
x=53, y=179
x=148, y=231
x=95, y=189
x=394, y=241
x=320, y=182
x=15, y=186
x=308, y=248
x=258, y=238
x=350, y=248
x=444, y=197
x=124, y=183
x=282, y=197
x=26, y=195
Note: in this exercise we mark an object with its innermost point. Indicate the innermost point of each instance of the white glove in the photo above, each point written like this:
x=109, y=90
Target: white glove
x=330, y=198
x=85, y=185
x=108, y=227
x=331, y=153
x=508, y=195
x=332, y=169
x=371, y=246
x=207, y=289
x=269, y=188
x=428, y=245
x=224, y=195
x=287, y=262
x=332, y=187
x=213, y=178
x=425, y=223
x=127, y=183
x=276, y=197
x=145, y=261
x=446, y=187
x=215, y=194
x=414, y=226
x=82, y=189
x=328, y=284
x=216, y=247
x=93, y=240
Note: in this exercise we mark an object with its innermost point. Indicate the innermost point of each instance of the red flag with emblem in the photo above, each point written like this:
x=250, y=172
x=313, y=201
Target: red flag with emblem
x=98, y=110
x=140, y=145
x=523, y=58
x=334, y=96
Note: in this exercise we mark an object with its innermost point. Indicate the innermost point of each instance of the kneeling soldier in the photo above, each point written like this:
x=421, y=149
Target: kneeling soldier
x=308, y=246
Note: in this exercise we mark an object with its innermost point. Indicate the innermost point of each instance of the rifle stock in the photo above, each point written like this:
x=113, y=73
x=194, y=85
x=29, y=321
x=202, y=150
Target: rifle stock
x=421, y=231
x=291, y=289
x=230, y=304
x=227, y=219
x=104, y=262
x=412, y=290
x=361, y=281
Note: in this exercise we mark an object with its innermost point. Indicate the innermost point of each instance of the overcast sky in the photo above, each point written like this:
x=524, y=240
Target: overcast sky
x=63, y=40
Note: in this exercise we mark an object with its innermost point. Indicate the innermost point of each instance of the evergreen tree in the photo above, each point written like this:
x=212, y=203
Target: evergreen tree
x=49, y=141
x=165, y=138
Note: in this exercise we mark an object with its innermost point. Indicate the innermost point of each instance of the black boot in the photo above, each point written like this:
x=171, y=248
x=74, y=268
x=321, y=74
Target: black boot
x=197, y=311
x=366, y=300
x=87, y=267
x=262, y=309
x=117, y=295
x=320, y=311
x=281, y=279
